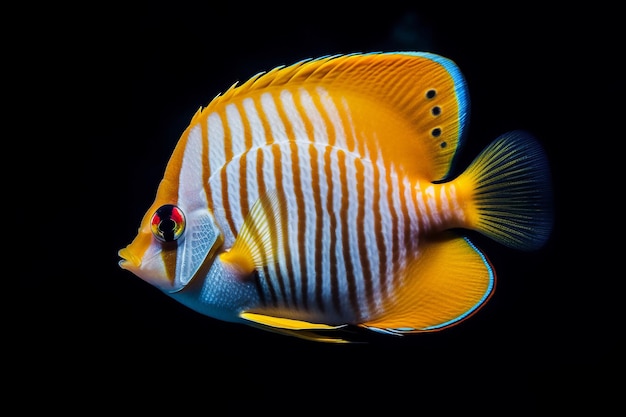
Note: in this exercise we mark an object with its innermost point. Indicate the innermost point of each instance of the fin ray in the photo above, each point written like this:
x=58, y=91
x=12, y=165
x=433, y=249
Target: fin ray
x=512, y=195
x=446, y=283
x=260, y=237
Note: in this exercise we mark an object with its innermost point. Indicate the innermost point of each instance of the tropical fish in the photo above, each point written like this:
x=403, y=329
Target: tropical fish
x=319, y=197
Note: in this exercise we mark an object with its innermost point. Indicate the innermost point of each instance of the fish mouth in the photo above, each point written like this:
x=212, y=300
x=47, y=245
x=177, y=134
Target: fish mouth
x=129, y=260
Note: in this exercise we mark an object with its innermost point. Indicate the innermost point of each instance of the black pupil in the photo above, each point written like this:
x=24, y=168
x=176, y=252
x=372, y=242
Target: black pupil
x=167, y=226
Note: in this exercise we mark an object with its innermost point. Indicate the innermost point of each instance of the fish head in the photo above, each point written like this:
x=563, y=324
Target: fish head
x=178, y=234
x=171, y=245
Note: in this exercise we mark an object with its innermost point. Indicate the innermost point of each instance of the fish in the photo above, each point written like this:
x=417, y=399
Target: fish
x=321, y=200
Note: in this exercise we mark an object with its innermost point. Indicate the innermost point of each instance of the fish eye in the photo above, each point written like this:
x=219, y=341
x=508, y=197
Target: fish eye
x=168, y=223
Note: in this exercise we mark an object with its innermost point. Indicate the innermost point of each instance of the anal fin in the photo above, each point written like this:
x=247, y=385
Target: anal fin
x=447, y=281
x=318, y=332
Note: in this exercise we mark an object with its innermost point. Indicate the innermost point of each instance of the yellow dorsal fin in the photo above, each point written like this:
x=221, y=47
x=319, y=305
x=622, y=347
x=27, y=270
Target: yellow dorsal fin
x=260, y=236
x=411, y=104
x=449, y=281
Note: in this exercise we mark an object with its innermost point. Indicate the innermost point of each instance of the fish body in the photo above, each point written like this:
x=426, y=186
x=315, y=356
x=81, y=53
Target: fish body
x=319, y=195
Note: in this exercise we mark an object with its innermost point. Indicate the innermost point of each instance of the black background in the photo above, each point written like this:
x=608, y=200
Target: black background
x=108, y=92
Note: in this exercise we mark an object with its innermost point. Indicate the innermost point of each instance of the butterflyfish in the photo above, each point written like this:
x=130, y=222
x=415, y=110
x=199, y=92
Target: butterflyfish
x=320, y=197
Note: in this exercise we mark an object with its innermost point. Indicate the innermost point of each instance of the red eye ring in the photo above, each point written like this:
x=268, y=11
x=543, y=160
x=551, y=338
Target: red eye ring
x=168, y=223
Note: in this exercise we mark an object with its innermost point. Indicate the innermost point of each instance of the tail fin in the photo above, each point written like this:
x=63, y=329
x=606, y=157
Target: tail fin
x=512, y=192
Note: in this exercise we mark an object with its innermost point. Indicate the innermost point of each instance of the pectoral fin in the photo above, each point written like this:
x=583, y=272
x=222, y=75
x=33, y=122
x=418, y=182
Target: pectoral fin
x=448, y=281
x=260, y=237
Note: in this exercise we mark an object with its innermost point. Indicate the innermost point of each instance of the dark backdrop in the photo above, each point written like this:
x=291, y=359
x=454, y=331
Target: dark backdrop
x=116, y=86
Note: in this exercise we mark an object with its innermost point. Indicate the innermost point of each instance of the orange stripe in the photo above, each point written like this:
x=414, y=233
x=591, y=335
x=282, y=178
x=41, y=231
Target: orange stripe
x=269, y=138
x=334, y=286
x=315, y=184
x=345, y=237
x=243, y=168
x=262, y=188
x=405, y=215
x=289, y=132
x=395, y=247
x=381, y=246
x=278, y=175
x=301, y=225
x=427, y=211
x=228, y=155
x=345, y=115
x=319, y=213
x=330, y=130
x=206, y=167
x=366, y=266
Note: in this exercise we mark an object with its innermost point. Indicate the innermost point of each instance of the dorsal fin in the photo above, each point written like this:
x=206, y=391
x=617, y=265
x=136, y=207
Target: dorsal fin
x=414, y=104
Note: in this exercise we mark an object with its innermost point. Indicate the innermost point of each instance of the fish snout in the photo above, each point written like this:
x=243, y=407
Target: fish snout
x=129, y=260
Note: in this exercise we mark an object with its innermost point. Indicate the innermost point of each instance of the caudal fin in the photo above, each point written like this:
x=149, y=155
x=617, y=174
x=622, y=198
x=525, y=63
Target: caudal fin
x=512, y=200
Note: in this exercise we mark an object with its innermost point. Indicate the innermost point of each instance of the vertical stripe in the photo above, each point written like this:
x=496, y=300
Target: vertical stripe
x=269, y=175
x=432, y=204
x=191, y=165
x=406, y=218
x=311, y=186
x=235, y=180
x=278, y=135
x=240, y=142
x=236, y=130
x=259, y=162
x=297, y=228
x=333, y=116
x=334, y=193
x=215, y=140
x=302, y=181
x=444, y=203
x=320, y=130
x=365, y=228
x=351, y=139
x=346, y=197
x=325, y=223
x=315, y=103
x=265, y=210
x=206, y=166
x=289, y=160
x=421, y=206
x=274, y=121
x=393, y=213
x=458, y=211
x=215, y=128
x=398, y=215
x=325, y=287
x=257, y=128
x=387, y=225
x=283, y=269
x=315, y=231
x=409, y=197
x=376, y=249
x=220, y=154
x=226, y=199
